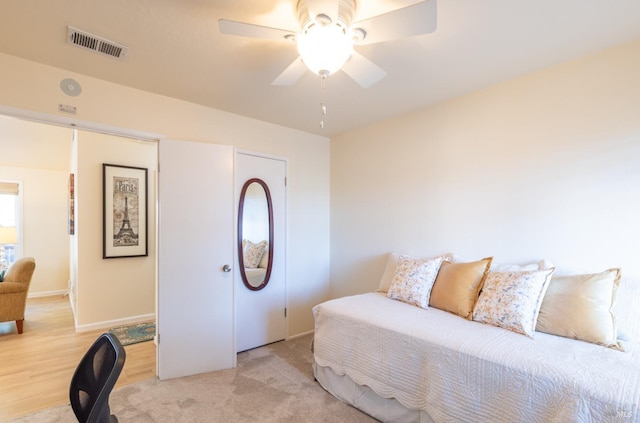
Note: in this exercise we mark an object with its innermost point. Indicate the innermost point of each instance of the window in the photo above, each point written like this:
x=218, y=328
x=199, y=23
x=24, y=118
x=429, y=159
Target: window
x=9, y=222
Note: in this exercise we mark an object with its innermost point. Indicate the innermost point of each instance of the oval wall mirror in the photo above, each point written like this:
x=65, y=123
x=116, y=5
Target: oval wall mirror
x=255, y=234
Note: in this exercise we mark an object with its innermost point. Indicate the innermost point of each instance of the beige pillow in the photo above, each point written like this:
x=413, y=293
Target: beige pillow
x=264, y=262
x=457, y=286
x=413, y=280
x=580, y=307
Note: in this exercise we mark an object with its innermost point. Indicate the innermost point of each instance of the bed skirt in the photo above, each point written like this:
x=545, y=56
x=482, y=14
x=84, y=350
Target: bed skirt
x=365, y=399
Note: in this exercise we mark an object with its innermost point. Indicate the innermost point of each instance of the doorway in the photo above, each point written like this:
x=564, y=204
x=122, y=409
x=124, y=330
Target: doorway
x=10, y=224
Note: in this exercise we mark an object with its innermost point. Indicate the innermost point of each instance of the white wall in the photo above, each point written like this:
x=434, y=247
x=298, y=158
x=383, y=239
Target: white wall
x=33, y=87
x=38, y=155
x=44, y=223
x=544, y=166
x=115, y=289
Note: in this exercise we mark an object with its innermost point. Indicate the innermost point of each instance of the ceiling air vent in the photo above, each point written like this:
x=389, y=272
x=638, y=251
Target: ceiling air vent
x=95, y=43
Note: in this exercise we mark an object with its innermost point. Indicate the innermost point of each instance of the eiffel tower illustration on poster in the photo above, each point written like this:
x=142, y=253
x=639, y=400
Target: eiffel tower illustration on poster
x=126, y=235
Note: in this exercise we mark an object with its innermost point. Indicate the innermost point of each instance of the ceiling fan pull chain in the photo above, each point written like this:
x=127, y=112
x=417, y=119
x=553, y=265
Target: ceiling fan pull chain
x=323, y=108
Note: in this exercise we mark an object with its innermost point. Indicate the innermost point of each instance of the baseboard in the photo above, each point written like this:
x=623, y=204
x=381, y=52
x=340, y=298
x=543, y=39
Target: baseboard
x=72, y=302
x=117, y=322
x=47, y=293
x=300, y=335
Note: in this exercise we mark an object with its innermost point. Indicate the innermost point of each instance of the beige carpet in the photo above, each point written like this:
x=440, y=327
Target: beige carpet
x=273, y=383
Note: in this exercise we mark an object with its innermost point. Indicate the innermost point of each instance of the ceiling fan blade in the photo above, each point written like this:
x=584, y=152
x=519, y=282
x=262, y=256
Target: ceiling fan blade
x=291, y=74
x=322, y=7
x=362, y=70
x=409, y=21
x=251, y=30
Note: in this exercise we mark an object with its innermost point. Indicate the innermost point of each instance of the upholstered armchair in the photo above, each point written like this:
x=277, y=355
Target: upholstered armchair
x=14, y=289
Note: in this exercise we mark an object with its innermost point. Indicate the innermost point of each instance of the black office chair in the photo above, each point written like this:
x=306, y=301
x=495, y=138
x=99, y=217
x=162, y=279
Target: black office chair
x=94, y=379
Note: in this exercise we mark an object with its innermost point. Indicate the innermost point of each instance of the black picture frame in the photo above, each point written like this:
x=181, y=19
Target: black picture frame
x=124, y=217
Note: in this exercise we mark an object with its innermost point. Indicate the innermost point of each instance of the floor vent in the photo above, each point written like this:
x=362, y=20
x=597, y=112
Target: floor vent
x=95, y=43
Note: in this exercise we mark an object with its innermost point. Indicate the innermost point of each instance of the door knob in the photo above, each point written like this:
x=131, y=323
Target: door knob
x=226, y=268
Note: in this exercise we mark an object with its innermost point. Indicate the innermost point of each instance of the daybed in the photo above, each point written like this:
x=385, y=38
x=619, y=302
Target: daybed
x=399, y=362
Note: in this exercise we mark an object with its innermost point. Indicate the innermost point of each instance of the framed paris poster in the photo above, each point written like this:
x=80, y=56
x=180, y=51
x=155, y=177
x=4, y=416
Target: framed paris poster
x=124, y=217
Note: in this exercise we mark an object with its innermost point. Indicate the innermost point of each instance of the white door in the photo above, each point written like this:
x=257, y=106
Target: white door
x=261, y=315
x=196, y=233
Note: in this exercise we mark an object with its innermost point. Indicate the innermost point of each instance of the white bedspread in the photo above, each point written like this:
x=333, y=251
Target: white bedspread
x=255, y=277
x=462, y=371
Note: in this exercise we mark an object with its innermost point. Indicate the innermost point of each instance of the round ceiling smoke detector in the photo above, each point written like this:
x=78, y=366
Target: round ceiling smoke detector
x=70, y=87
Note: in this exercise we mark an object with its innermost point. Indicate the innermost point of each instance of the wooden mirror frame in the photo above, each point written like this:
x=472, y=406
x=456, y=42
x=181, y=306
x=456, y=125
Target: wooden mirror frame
x=267, y=193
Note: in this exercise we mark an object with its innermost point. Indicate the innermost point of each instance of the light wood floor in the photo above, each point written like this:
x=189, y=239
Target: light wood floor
x=36, y=366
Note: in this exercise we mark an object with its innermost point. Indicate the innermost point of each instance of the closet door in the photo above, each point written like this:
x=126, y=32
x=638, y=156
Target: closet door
x=196, y=234
x=261, y=314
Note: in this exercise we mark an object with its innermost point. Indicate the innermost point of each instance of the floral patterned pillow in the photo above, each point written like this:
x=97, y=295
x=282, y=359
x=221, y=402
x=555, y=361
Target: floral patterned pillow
x=512, y=300
x=413, y=280
x=253, y=253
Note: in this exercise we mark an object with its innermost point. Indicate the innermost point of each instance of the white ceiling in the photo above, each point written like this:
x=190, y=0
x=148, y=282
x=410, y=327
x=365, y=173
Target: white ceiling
x=175, y=49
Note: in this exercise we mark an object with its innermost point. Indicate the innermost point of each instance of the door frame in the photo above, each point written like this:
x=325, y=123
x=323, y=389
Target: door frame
x=73, y=123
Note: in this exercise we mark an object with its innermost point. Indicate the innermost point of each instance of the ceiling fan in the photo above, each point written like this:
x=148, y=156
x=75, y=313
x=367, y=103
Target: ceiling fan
x=327, y=35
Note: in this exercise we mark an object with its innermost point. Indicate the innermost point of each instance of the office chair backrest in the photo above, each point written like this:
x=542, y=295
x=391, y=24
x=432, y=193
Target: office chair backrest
x=94, y=379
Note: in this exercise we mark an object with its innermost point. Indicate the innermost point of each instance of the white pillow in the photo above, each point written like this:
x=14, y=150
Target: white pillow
x=413, y=280
x=511, y=300
x=496, y=267
x=627, y=309
x=264, y=262
x=389, y=270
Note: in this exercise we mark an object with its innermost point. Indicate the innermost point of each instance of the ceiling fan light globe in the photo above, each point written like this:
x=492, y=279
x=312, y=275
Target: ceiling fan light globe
x=324, y=49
